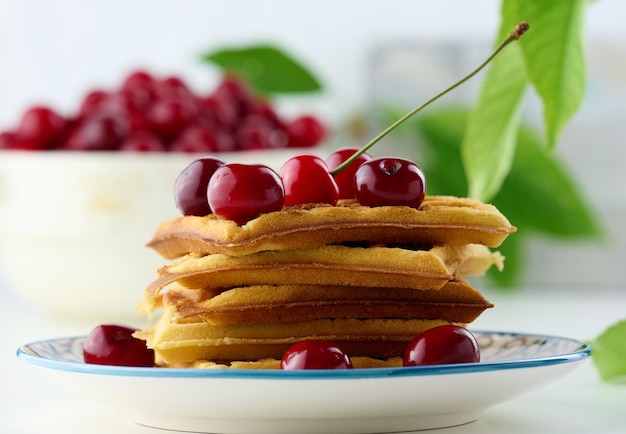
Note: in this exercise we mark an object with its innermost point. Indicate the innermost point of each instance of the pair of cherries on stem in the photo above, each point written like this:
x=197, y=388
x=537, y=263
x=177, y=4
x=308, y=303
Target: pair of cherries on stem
x=241, y=192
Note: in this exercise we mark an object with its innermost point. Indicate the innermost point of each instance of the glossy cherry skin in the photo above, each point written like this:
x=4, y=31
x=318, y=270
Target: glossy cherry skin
x=315, y=354
x=111, y=344
x=190, y=188
x=242, y=192
x=442, y=345
x=307, y=180
x=389, y=181
x=345, y=178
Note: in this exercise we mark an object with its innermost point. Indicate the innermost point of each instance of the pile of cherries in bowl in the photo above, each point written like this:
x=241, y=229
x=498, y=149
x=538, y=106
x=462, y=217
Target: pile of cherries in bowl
x=147, y=113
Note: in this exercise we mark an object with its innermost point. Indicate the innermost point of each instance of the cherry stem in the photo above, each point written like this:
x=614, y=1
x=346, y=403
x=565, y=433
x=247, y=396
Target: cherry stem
x=519, y=30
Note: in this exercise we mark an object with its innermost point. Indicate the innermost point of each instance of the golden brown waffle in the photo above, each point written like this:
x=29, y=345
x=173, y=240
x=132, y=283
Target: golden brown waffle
x=367, y=279
x=456, y=301
x=357, y=363
x=439, y=220
x=189, y=342
x=384, y=267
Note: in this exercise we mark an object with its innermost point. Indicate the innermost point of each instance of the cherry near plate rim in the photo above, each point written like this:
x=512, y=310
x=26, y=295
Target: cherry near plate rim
x=583, y=350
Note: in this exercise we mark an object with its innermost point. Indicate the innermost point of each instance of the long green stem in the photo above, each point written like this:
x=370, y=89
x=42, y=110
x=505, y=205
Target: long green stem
x=519, y=30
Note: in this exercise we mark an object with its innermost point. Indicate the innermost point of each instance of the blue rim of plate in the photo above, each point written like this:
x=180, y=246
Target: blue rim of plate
x=582, y=351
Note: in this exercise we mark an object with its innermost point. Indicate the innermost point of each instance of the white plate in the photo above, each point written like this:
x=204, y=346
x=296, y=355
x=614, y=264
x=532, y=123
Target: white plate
x=321, y=401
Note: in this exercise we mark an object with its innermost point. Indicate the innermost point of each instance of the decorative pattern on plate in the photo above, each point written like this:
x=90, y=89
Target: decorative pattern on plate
x=493, y=347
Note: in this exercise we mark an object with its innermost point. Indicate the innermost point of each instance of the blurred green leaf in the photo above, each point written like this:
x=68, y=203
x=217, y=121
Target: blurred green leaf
x=514, y=262
x=442, y=164
x=266, y=68
x=609, y=352
x=539, y=196
x=489, y=142
x=553, y=52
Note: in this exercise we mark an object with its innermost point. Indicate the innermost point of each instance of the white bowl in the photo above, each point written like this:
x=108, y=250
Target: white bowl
x=73, y=226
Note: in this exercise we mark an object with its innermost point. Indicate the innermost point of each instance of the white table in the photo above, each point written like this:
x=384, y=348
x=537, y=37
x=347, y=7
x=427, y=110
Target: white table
x=577, y=403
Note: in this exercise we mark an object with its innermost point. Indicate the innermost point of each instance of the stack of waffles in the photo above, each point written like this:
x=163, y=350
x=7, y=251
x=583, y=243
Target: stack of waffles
x=368, y=279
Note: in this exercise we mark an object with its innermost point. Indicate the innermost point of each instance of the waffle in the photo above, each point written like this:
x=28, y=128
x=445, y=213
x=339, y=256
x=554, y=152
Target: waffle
x=367, y=279
x=439, y=220
x=456, y=301
x=176, y=342
x=328, y=265
x=357, y=363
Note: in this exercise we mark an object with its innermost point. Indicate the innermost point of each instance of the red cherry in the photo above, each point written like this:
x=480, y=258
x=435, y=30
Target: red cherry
x=8, y=140
x=139, y=80
x=102, y=133
x=307, y=180
x=127, y=101
x=92, y=103
x=389, y=181
x=305, y=132
x=42, y=127
x=256, y=132
x=218, y=111
x=173, y=88
x=141, y=85
x=265, y=110
x=234, y=92
x=190, y=189
x=142, y=141
x=442, y=345
x=345, y=178
x=110, y=344
x=242, y=192
x=200, y=138
x=315, y=354
x=169, y=117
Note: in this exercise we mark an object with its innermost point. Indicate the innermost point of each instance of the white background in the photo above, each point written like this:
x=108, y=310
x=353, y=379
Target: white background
x=53, y=51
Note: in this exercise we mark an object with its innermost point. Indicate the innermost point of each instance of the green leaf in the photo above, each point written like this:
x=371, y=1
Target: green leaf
x=553, y=50
x=266, y=68
x=540, y=195
x=489, y=142
x=609, y=352
x=442, y=132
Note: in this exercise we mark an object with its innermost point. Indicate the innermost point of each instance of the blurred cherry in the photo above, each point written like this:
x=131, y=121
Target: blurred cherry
x=142, y=141
x=257, y=132
x=305, y=132
x=102, y=133
x=8, y=140
x=202, y=138
x=42, y=127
